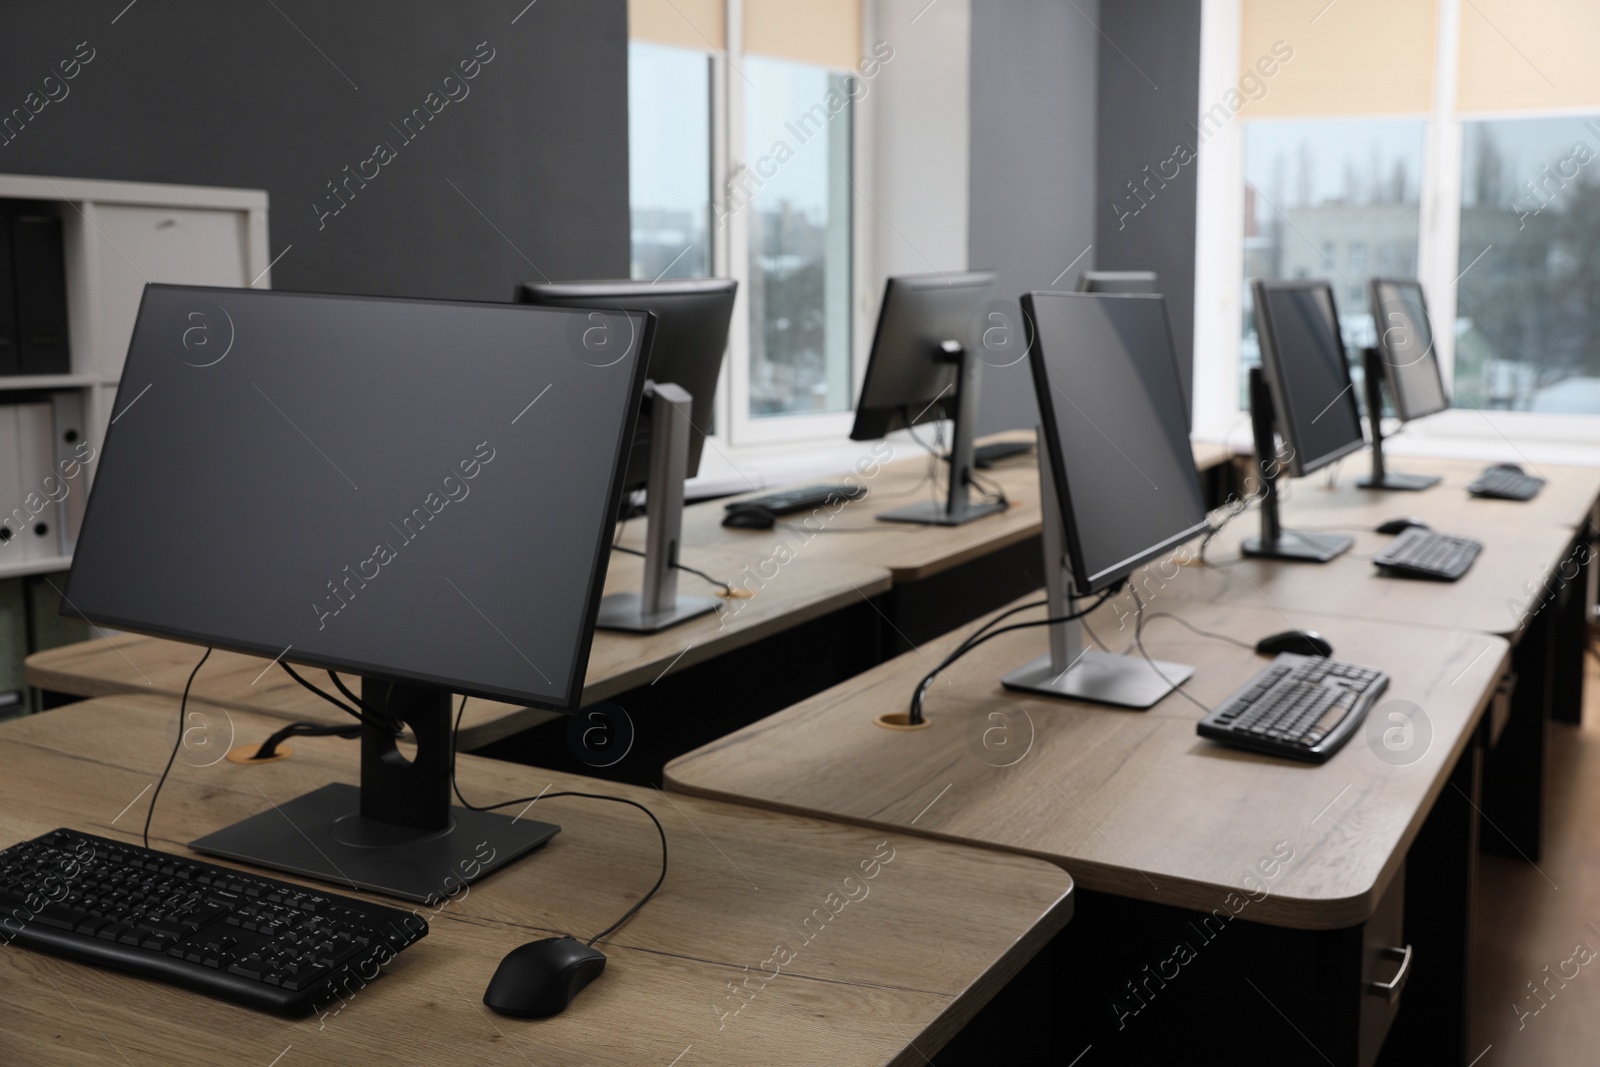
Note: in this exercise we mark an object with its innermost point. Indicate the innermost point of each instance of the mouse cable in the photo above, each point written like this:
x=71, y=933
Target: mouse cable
x=726, y=588
x=1138, y=642
x=177, y=742
x=366, y=719
x=642, y=901
x=914, y=715
x=1186, y=624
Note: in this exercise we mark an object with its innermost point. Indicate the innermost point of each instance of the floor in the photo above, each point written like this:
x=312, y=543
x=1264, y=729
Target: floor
x=1536, y=997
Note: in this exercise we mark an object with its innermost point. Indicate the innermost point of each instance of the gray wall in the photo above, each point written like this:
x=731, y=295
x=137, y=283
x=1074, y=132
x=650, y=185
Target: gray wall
x=204, y=93
x=1033, y=163
x=1148, y=97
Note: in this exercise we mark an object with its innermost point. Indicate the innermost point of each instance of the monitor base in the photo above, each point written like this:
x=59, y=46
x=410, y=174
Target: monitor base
x=1124, y=681
x=322, y=835
x=1299, y=545
x=1394, y=480
x=625, y=611
x=929, y=513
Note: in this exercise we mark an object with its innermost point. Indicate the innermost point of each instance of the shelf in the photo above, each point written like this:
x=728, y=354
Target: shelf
x=16, y=382
x=35, y=566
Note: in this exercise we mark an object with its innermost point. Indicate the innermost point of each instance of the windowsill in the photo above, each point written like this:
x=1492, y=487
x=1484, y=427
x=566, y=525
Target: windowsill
x=1493, y=436
x=726, y=469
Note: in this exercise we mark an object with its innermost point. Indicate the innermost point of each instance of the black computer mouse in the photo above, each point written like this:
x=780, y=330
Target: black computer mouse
x=750, y=517
x=1300, y=642
x=542, y=977
x=1394, y=526
x=1514, y=468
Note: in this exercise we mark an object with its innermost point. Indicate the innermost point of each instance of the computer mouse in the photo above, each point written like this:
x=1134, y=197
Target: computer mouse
x=1514, y=468
x=1394, y=526
x=750, y=517
x=1300, y=642
x=542, y=977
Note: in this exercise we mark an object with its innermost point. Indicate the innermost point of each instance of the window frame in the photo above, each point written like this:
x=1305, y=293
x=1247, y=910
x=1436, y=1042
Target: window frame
x=1219, y=249
x=736, y=428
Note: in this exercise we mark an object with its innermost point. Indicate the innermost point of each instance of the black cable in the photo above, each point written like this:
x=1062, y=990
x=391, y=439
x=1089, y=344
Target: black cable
x=336, y=702
x=642, y=901
x=269, y=747
x=183, y=706
x=338, y=683
x=914, y=716
x=726, y=588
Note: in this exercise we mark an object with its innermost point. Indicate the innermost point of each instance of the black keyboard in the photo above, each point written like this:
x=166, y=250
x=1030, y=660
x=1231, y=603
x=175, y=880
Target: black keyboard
x=1302, y=707
x=257, y=941
x=804, y=498
x=1506, y=483
x=1419, y=553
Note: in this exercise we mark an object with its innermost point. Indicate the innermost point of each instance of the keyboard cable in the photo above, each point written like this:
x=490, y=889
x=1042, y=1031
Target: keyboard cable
x=177, y=742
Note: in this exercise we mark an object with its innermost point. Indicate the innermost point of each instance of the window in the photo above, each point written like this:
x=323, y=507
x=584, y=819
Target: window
x=1318, y=193
x=1528, y=298
x=669, y=153
x=797, y=150
x=743, y=116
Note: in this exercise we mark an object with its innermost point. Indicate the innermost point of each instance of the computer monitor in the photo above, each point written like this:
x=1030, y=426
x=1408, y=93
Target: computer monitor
x=1302, y=390
x=1403, y=359
x=692, y=317
x=1117, y=477
x=420, y=492
x=924, y=366
x=1119, y=281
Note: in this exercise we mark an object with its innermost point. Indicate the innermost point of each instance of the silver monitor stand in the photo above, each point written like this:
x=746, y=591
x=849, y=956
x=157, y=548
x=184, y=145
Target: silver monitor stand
x=1070, y=669
x=657, y=605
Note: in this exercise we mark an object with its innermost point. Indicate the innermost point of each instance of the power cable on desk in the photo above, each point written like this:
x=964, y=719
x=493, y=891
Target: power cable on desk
x=642, y=901
x=914, y=715
x=727, y=589
x=183, y=706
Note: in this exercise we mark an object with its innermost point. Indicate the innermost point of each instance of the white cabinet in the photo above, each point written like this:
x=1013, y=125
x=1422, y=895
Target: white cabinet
x=118, y=236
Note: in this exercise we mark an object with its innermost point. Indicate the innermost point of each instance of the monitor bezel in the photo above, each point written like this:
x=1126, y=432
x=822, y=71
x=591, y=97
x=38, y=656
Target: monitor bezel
x=572, y=698
x=1086, y=583
x=1271, y=355
x=1391, y=371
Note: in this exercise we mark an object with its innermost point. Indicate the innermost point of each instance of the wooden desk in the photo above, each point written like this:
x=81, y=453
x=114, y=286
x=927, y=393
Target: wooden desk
x=1169, y=836
x=940, y=930
x=807, y=589
x=910, y=553
x=1130, y=803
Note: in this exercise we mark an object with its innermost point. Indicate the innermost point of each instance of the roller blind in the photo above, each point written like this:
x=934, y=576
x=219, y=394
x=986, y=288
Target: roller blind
x=686, y=23
x=1528, y=54
x=826, y=33
x=1350, y=57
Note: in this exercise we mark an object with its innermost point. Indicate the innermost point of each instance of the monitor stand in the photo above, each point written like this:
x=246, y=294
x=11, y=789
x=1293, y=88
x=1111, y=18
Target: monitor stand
x=1372, y=371
x=657, y=605
x=958, y=508
x=1070, y=669
x=1274, y=542
x=397, y=834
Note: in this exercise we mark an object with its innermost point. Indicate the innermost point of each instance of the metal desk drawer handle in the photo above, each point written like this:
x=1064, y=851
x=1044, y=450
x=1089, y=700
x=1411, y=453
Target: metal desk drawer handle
x=1390, y=990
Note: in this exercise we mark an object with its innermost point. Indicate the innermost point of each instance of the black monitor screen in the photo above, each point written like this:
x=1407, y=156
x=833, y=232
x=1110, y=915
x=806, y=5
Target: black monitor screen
x=416, y=490
x=692, y=317
x=1304, y=360
x=1405, y=345
x=1117, y=428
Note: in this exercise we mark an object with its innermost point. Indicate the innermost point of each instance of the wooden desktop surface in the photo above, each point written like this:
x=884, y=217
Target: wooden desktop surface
x=910, y=553
x=1131, y=803
x=939, y=929
x=802, y=589
x=1524, y=543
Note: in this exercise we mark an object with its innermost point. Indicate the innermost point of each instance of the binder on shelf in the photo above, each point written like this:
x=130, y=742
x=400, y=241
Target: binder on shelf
x=39, y=275
x=15, y=542
x=38, y=502
x=10, y=354
x=67, y=429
